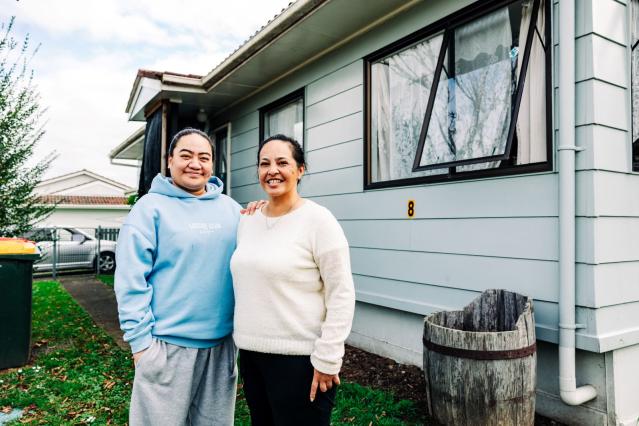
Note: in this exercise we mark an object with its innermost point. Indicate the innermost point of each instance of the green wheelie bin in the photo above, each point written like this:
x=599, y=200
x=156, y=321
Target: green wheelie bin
x=16, y=277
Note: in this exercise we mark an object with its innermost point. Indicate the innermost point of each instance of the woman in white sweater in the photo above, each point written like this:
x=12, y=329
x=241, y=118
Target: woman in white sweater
x=294, y=297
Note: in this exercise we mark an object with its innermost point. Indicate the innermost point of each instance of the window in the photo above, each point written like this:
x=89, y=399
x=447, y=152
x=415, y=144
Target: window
x=464, y=97
x=284, y=116
x=634, y=77
x=221, y=138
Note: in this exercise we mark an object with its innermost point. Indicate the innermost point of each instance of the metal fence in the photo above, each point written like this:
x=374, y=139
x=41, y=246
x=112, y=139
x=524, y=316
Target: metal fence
x=66, y=249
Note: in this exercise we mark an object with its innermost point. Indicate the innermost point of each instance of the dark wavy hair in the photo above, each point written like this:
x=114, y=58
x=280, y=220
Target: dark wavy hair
x=296, y=148
x=188, y=131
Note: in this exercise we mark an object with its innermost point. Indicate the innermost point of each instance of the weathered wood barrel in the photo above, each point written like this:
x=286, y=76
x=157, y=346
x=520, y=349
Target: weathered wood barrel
x=480, y=363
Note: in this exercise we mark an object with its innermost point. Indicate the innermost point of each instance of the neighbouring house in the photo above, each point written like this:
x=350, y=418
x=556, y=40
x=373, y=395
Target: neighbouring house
x=463, y=146
x=84, y=199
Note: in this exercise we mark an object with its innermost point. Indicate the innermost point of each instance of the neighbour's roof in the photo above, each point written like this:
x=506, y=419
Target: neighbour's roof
x=87, y=173
x=82, y=200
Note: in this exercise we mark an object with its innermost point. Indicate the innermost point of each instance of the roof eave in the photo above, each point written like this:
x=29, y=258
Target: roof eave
x=298, y=11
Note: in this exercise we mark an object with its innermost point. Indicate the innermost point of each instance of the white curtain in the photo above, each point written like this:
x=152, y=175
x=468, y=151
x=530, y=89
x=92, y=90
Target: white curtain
x=472, y=109
x=380, y=129
x=286, y=120
x=531, y=123
x=400, y=88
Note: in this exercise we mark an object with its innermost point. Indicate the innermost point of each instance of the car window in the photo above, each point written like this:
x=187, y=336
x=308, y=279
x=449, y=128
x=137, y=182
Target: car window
x=65, y=235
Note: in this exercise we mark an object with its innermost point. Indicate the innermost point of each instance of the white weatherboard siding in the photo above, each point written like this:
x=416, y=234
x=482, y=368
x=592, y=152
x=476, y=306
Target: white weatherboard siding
x=87, y=217
x=468, y=236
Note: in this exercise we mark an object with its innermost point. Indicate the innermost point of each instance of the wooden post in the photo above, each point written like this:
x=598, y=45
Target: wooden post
x=165, y=111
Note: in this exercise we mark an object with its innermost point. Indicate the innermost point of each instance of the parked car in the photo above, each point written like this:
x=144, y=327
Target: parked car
x=75, y=250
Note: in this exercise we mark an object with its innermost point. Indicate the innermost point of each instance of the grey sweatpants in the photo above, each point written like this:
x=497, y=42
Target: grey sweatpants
x=184, y=386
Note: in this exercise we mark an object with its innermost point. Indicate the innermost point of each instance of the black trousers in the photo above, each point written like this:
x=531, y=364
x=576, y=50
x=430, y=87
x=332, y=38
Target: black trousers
x=277, y=389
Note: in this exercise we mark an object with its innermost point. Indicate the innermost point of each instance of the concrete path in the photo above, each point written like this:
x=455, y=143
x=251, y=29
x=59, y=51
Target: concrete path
x=98, y=300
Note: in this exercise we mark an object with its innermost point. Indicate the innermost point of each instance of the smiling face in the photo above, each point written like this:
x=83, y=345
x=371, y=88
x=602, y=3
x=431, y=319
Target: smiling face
x=278, y=171
x=191, y=163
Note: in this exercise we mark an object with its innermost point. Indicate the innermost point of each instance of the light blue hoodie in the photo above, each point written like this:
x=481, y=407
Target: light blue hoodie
x=172, y=279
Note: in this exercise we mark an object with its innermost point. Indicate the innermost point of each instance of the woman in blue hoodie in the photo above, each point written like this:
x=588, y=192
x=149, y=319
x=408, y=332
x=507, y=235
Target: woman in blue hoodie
x=175, y=293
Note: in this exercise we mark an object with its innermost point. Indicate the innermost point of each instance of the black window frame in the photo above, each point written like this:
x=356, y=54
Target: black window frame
x=445, y=26
x=291, y=97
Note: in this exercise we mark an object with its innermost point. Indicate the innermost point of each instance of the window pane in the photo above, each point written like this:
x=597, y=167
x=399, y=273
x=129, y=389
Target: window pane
x=530, y=144
x=400, y=86
x=287, y=119
x=472, y=109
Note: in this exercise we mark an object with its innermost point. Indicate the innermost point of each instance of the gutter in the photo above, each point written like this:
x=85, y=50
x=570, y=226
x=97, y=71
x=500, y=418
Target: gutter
x=568, y=390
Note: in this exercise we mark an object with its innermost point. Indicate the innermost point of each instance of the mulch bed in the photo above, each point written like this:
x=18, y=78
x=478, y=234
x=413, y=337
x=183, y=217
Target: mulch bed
x=367, y=369
x=404, y=381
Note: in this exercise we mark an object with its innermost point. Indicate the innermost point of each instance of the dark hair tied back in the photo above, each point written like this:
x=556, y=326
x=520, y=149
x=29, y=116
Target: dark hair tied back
x=296, y=148
x=189, y=131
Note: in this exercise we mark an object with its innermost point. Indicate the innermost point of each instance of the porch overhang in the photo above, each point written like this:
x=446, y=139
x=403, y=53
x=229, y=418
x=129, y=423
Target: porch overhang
x=130, y=151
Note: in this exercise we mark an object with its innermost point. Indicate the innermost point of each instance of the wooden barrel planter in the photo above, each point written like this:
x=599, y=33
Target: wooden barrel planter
x=480, y=363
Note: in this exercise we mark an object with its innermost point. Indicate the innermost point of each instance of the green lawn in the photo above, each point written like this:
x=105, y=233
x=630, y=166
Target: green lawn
x=106, y=279
x=80, y=376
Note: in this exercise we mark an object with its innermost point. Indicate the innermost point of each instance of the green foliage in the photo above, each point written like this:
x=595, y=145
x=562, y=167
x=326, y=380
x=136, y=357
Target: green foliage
x=20, y=130
x=132, y=199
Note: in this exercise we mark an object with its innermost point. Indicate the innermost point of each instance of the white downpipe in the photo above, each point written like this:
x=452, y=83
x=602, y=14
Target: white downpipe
x=570, y=393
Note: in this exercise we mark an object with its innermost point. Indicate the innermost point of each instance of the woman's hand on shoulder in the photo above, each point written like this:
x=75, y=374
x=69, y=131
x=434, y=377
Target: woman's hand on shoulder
x=322, y=381
x=252, y=206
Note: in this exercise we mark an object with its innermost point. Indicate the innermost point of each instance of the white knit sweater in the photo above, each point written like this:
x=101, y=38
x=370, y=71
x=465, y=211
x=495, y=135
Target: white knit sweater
x=294, y=291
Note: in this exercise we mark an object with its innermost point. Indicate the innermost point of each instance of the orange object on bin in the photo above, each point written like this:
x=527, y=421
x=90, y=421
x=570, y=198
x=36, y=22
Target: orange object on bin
x=17, y=246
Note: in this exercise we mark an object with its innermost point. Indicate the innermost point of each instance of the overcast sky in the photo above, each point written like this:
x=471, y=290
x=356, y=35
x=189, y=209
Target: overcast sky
x=90, y=53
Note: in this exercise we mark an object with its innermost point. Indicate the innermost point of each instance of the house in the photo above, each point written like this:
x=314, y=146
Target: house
x=84, y=199
x=463, y=146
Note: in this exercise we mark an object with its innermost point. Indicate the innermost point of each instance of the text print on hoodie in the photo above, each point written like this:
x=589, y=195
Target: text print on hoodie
x=172, y=279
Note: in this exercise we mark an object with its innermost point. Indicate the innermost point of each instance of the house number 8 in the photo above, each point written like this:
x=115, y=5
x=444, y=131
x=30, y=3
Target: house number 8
x=411, y=208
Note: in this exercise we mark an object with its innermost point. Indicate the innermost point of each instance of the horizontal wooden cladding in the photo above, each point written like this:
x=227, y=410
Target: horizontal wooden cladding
x=600, y=240
x=521, y=196
x=523, y=238
x=245, y=123
x=599, y=102
x=604, y=17
x=244, y=141
x=245, y=176
x=243, y=159
x=615, y=194
x=602, y=59
x=338, y=106
x=339, y=156
x=605, y=148
x=605, y=329
x=423, y=299
x=617, y=326
x=410, y=297
x=535, y=278
x=332, y=182
x=343, y=129
x=245, y=194
x=338, y=81
x=614, y=239
x=607, y=284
